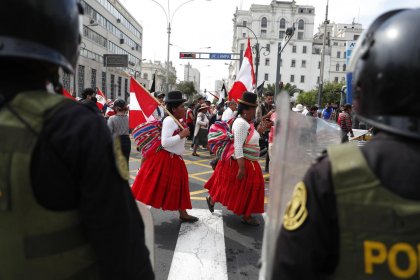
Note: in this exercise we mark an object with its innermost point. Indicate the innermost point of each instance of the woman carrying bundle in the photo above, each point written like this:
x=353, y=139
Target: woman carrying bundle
x=162, y=180
x=238, y=182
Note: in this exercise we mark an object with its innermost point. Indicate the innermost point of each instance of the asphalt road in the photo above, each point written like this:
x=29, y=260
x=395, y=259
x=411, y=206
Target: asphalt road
x=242, y=243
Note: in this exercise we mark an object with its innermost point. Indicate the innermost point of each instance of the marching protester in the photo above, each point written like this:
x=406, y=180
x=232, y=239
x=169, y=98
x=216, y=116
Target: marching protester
x=238, y=182
x=344, y=120
x=67, y=211
x=189, y=120
x=159, y=113
x=118, y=125
x=201, y=129
x=356, y=213
x=162, y=181
x=89, y=100
x=264, y=111
x=229, y=113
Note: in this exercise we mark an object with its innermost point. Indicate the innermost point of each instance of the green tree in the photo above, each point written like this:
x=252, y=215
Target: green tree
x=187, y=88
x=331, y=94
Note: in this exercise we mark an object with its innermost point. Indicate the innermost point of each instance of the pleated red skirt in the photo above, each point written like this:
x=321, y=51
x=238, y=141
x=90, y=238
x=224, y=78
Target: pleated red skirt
x=242, y=197
x=162, y=182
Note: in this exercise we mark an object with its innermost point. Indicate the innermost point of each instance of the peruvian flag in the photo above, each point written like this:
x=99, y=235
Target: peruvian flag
x=142, y=104
x=101, y=100
x=245, y=80
x=67, y=94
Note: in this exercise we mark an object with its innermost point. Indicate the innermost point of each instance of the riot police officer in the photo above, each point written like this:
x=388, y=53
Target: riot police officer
x=356, y=213
x=66, y=209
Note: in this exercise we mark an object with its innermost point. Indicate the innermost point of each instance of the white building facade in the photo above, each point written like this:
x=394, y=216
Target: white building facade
x=159, y=69
x=192, y=75
x=301, y=58
x=108, y=28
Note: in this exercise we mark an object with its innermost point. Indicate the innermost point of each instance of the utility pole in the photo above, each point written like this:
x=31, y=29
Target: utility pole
x=278, y=70
x=321, y=74
x=167, y=58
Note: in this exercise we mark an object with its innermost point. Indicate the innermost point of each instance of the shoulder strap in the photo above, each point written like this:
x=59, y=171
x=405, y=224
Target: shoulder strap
x=349, y=168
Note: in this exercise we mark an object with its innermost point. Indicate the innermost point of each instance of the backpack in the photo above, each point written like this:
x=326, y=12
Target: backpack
x=148, y=137
x=220, y=138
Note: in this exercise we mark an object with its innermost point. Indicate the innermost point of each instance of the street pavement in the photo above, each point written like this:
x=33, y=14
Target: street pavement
x=197, y=251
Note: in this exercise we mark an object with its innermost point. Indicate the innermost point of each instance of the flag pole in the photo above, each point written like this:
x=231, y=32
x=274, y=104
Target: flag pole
x=157, y=101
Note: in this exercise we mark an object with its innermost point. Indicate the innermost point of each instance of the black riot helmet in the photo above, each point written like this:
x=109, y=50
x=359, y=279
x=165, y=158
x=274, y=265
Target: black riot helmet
x=41, y=30
x=386, y=73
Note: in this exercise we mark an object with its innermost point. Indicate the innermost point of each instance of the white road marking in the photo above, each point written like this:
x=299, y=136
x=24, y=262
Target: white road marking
x=200, y=249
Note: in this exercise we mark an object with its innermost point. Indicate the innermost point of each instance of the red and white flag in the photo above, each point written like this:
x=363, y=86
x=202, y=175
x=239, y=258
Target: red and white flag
x=100, y=99
x=245, y=80
x=142, y=104
x=68, y=95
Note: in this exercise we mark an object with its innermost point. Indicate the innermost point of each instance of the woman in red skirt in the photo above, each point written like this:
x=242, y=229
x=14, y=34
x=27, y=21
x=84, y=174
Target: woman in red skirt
x=238, y=182
x=162, y=180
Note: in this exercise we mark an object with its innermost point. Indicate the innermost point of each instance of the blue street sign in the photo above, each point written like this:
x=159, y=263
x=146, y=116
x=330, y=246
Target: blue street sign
x=220, y=56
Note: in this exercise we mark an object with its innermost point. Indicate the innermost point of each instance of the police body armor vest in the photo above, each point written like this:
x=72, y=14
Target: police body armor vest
x=35, y=243
x=379, y=231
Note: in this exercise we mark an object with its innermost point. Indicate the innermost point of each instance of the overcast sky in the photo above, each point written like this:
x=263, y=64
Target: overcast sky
x=202, y=23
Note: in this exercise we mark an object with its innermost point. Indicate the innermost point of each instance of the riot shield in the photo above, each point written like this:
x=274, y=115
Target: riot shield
x=299, y=139
x=149, y=230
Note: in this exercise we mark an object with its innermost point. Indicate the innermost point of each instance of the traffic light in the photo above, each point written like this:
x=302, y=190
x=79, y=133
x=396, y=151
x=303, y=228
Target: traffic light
x=186, y=55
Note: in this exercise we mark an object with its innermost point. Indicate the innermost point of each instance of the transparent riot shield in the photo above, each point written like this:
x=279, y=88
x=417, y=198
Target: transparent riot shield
x=149, y=230
x=299, y=139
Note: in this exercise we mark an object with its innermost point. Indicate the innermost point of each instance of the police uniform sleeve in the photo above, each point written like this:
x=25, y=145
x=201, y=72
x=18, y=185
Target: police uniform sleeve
x=74, y=167
x=310, y=251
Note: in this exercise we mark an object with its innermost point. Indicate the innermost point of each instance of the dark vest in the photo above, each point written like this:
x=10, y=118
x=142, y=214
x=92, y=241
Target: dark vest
x=379, y=231
x=35, y=243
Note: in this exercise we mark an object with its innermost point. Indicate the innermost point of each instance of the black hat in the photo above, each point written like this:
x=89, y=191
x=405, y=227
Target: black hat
x=248, y=98
x=174, y=97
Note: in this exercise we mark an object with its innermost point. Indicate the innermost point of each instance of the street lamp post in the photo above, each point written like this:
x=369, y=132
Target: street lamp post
x=289, y=33
x=257, y=50
x=169, y=19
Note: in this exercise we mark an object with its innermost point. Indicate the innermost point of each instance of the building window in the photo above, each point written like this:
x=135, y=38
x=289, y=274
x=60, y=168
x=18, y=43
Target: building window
x=304, y=49
x=119, y=86
x=112, y=86
x=336, y=80
x=263, y=33
x=282, y=34
x=81, y=78
x=126, y=88
x=343, y=79
x=145, y=76
x=337, y=67
x=242, y=47
x=303, y=63
x=294, y=49
x=282, y=23
x=267, y=47
x=267, y=62
x=335, y=44
x=317, y=51
x=293, y=63
x=292, y=78
x=300, y=35
x=301, y=25
x=319, y=64
x=344, y=54
x=104, y=82
x=66, y=81
x=243, y=35
x=264, y=22
x=302, y=79
x=338, y=54
x=93, y=78
x=266, y=77
x=244, y=23
x=355, y=37
x=344, y=67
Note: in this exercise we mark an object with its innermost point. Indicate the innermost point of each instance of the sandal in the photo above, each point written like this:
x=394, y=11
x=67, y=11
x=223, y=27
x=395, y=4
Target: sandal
x=211, y=206
x=250, y=222
x=190, y=220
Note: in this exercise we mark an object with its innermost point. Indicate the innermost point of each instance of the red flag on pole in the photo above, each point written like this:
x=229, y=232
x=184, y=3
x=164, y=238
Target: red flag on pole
x=101, y=100
x=246, y=77
x=142, y=104
x=67, y=94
